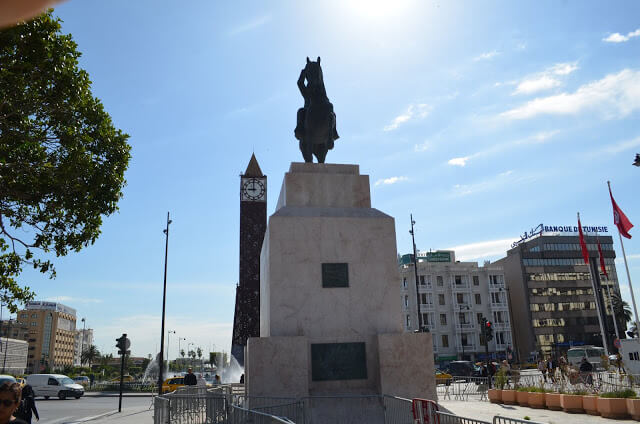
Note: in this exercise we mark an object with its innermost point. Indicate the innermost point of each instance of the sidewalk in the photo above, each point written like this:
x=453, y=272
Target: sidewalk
x=485, y=411
x=127, y=416
x=116, y=394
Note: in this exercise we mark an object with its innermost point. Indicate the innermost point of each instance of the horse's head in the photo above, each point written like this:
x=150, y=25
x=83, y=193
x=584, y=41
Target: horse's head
x=313, y=72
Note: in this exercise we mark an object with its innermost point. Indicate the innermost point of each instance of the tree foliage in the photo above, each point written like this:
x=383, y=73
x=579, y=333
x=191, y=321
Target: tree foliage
x=89, y=355
x=62, y=161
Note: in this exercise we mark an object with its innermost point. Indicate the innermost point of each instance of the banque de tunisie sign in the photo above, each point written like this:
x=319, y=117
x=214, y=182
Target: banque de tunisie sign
x=569, y=230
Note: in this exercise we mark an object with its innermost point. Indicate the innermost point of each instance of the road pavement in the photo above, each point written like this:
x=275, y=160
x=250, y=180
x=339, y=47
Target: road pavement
x=56, y=411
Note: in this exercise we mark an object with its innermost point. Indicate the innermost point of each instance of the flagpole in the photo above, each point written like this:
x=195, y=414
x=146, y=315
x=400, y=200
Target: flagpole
x=613, y=310
x=633, y=298
x=595, y=291
x=626, y=265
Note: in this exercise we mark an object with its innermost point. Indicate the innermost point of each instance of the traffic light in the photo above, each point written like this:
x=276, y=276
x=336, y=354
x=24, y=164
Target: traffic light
x=122, y=345
x=488, y=331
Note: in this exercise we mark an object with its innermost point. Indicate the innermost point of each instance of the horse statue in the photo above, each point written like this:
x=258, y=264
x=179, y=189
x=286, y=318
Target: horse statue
x=316, y=125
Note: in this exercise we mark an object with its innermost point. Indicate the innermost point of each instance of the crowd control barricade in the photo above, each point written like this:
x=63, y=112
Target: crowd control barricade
x=505, y=420
x=160, y=410
x=397, y=410
x=441, y=417
x=462, y=388
x=424, y=411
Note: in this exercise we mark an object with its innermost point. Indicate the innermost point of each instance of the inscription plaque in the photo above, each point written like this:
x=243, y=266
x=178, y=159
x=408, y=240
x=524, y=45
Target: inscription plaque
x=335, y=275
x=338, y=361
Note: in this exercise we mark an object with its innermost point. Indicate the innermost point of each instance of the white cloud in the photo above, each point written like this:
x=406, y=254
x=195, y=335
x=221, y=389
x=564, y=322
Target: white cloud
x=538, y=138
x=459, y=161
x=616, y=37
x=482, y=249
x=486, y=56
x=422, y=147
x=612, y=149
x=72, y=299
x=546, y=79
x=250, y=25
x=414, y=111
x=391, y=180
x=533, y=85
x=633, y=256
x=495, y=182
x=615, y=95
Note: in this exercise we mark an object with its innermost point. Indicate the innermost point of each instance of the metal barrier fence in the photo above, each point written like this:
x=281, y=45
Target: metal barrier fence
x=462, y=388
x=161, y=410
x=446, y=418
x=505, y=420
x=397, y=410
x=240, y=415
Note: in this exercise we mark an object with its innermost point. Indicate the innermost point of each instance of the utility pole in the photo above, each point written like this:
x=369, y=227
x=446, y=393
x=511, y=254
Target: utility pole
x=415, y=268
x=164, y=301
x=123, y=344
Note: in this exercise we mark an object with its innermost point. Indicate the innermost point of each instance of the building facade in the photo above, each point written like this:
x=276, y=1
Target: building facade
x=13, y=356
x=82, y=340
x=454, y=297
x=52, y=331
x=14, y=329
x=552, y=290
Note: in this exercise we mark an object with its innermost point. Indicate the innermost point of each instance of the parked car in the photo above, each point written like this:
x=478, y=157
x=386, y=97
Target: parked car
x=171, y=384
x=461, y=368
x=59, y=385
x=4, y=378
x=442, y=377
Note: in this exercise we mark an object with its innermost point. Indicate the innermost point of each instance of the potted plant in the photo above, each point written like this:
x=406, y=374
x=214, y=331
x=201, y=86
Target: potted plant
x=522, y=396
x=495, y=395
x=614, y=404
x=572, y=402
x=590, y=404
x=536, y=397
x=509, y=397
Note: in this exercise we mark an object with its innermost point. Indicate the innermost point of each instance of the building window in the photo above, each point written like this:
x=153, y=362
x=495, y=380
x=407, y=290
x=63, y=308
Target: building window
x=476, y=280
x=425, y=319
x=478, y=299
x=406, y=301
x=443, y=319
x=422, y=283
x=460, y=298
x=441, y=299
x=445, y=340
x=479, y=317
x=34, y=324
x=439, y=280
x=408, y=321
x=458, y=279
x=404, y=283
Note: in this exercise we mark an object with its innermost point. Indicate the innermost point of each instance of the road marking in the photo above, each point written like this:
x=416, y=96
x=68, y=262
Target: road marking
x=95, y=417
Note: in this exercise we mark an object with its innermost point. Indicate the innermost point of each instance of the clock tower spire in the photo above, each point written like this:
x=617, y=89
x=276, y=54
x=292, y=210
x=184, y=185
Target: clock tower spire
x=253, y=223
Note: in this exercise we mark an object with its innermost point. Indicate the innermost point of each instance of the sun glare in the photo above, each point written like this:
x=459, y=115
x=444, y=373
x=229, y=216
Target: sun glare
x=378, y=9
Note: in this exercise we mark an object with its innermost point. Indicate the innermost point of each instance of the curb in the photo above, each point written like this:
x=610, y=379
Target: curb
x=95, y=417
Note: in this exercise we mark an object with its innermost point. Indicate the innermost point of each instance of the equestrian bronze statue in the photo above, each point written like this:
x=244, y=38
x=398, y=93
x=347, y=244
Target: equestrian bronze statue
x=316, y=126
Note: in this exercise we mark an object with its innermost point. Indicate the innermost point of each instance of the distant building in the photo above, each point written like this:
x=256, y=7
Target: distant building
x=52, y=331
x=82, y=340
x=454, y=297
x=13, y=356
x=14, y=329
x=551, y=288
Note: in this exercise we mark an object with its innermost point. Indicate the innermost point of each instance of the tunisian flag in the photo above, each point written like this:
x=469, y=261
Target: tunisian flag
x=620, y=219
x=583, y=245
x=602, y=268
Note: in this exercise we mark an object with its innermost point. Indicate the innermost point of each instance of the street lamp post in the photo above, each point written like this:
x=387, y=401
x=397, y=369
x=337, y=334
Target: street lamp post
x=415, y=268
x=82, y=345
x=179, y=349
x=164, y=301
x=189, y=352
x=169, y=351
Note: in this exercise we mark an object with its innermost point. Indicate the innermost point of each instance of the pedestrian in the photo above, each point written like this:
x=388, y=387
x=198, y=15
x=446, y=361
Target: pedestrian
x=551, y=370
x=542, y=367
x=585, y=371
x=242, y=379
x=563, y=366
x=190, y=379
x=27, y=406
x=10, y=393
x=91, y=380
x=216, y=380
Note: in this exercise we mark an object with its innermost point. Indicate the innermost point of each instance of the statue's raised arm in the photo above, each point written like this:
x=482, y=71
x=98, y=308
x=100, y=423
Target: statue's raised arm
x=316, y=123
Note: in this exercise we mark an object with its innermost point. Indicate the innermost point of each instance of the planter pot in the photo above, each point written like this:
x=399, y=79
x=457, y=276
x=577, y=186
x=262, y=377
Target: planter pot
x=633, y=408
x=536, y=400
x=522, y=398
x=552, y=400
x=571, y=403
x=509, y=397
x=613, y=408
x=495, y=395
x=590, y=405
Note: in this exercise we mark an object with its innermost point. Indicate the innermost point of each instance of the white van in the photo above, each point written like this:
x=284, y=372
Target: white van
x=592, y=353
x=59, y=385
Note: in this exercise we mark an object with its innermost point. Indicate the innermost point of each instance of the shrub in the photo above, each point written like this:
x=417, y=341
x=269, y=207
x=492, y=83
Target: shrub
x=526, y=417
x=501, y=378
x=625, y=394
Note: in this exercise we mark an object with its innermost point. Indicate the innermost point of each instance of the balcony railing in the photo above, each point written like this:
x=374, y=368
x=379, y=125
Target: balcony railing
x=469, y=347
x=462, y=306
x=499, y=305
x=500, y=325
x=496, y=286
x=460, y=286
x=424, y=307
x=465, y=326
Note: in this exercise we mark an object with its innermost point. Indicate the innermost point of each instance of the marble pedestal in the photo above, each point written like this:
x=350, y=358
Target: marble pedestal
x=322, y=331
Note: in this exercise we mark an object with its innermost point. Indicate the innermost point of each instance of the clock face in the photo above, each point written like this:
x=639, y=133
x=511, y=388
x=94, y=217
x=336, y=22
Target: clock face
x=253, y=189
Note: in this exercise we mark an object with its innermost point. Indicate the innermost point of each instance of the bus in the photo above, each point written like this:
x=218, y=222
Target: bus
x=592, y=353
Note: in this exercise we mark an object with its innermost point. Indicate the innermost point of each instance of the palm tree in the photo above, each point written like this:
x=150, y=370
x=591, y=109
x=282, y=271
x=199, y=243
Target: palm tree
x=622, y=311
x=89, y=355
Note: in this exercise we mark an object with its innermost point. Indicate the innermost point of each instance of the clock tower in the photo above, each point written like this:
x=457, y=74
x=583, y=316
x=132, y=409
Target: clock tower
x=253, y=223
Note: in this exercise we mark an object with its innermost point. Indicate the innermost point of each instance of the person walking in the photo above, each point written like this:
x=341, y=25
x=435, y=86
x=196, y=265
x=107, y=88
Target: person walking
x=27, y=407
x=10, y=394
x=190, y=379
x=542, y=367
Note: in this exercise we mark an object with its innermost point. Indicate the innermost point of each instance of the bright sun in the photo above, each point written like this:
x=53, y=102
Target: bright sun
x=378, y=9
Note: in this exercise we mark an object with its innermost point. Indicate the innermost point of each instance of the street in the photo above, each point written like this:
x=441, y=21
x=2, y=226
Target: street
x=56, y=411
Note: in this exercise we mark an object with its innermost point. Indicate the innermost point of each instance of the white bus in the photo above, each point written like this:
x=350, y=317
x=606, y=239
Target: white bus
x=592, y=353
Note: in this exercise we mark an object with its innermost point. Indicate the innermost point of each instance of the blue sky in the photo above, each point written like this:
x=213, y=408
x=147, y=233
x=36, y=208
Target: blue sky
x=482, y=120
